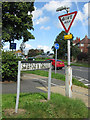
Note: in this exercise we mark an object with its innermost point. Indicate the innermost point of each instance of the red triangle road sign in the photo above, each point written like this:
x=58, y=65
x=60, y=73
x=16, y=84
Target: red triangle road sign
x=67, y=20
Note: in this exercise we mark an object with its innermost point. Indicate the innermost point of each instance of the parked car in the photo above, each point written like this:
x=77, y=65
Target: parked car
x=59, y=64
x=31, y=58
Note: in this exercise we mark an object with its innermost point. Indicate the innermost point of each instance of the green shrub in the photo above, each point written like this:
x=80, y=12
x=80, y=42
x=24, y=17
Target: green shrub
x=9, y=66
x=82, y=56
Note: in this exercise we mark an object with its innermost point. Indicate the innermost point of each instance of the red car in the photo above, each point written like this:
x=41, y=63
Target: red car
x=59, y=63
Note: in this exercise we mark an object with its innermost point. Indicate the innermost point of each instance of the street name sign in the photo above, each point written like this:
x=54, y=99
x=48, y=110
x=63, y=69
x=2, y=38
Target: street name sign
x=67, y=20
x=56, y=46
x=32, y=65
x=68, y=37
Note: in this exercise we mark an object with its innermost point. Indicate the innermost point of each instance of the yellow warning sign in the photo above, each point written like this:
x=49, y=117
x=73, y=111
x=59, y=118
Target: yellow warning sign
x=68, y=37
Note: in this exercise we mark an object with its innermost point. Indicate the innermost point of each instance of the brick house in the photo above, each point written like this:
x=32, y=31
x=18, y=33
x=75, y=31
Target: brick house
x=83, y=44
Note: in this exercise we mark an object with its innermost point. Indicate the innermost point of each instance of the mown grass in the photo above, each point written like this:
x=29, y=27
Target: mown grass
x=56, y=76
x=57, y=107
x=72, y=64
x=79, y=64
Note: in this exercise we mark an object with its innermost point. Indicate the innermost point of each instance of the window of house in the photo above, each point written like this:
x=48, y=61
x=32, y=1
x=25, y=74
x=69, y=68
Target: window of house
x=81, y=50
x=78, y=45
x=88, y=45
x=82, y=45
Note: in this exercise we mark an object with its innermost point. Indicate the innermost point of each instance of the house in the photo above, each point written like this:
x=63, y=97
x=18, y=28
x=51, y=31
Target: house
x=18, y=53
x=82, y=44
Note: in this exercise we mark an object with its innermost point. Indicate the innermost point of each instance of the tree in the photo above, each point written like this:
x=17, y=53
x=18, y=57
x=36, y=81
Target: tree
x=48, y=52
x=61, y=53
x=16, y=22
x=34, y=52
x=62, y=45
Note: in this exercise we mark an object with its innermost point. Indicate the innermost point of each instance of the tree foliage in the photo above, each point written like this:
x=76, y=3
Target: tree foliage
x=82, y=56
x=16, y=21
x=62, y=51
x=34, y=52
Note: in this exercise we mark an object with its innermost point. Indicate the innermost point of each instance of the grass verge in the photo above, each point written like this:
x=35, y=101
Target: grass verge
x=56, y=76
x=65, y=62
x=58, y=107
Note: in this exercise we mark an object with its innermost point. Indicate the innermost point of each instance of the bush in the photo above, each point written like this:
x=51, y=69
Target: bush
x=9, y=66
x=82, y=56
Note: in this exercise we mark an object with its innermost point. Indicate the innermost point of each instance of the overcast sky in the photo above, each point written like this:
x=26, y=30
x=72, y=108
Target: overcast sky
x=47, y=25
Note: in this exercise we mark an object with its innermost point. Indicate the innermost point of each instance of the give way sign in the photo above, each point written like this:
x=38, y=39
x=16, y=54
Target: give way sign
x=67, y=20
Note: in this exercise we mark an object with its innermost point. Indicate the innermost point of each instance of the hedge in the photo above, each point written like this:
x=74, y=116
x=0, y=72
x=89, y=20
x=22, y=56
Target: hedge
x=9, y=66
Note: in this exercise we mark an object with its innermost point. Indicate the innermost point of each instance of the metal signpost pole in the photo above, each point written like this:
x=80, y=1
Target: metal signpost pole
x=67, y=20
x=68, y=82
x=56, y=47
x=49, y=82
x=56, y=61
x=18, y=86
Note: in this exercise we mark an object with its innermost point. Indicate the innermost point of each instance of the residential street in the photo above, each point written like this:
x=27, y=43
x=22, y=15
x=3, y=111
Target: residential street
x=31, y=83
x=81, y=73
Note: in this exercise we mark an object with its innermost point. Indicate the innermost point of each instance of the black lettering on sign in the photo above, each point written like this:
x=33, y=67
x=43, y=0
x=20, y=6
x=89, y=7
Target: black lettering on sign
x=23, y=66
x=37, y=66
x=67, y=22
x=28, y=66
x=63, y=19
x=70, y=16
x=66, y=17
x=42, y=66
x=34, y=66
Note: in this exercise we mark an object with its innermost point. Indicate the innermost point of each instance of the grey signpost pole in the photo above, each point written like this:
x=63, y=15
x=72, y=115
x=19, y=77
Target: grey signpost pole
x=49, y=82
x=56, y=61
x=68, y=81
x=56, y=47
x=18, y=86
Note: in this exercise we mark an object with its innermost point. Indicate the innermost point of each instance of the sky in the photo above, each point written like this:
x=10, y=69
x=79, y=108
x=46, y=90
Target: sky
x=47, y=25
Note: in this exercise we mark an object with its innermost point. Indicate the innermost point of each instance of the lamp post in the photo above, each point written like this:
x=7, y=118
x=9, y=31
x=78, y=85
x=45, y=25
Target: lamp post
x=68, y=70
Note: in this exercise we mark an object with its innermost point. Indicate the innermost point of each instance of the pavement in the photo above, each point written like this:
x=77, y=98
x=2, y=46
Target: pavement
x=34, y=83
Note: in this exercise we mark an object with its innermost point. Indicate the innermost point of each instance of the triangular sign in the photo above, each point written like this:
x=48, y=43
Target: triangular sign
x=67, y=20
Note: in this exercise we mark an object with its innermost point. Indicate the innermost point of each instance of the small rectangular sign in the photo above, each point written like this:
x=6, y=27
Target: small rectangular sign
x=13, y=46
x=68, y=37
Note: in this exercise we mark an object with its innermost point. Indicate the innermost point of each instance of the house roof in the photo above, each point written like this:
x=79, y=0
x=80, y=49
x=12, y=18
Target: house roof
x=85, y=40
x=18, y=51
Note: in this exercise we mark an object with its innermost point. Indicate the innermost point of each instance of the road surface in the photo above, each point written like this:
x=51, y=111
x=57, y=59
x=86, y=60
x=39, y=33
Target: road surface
x=81, y=73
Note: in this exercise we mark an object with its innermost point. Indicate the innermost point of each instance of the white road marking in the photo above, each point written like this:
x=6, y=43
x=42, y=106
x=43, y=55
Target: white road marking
x=86, y=80
x=46, y=81
x=87, y=84
x=64, y=87
x=81, y=79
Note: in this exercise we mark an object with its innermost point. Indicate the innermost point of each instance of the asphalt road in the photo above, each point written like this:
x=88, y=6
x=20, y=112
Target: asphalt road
x=30, y=84
x=81, y=73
